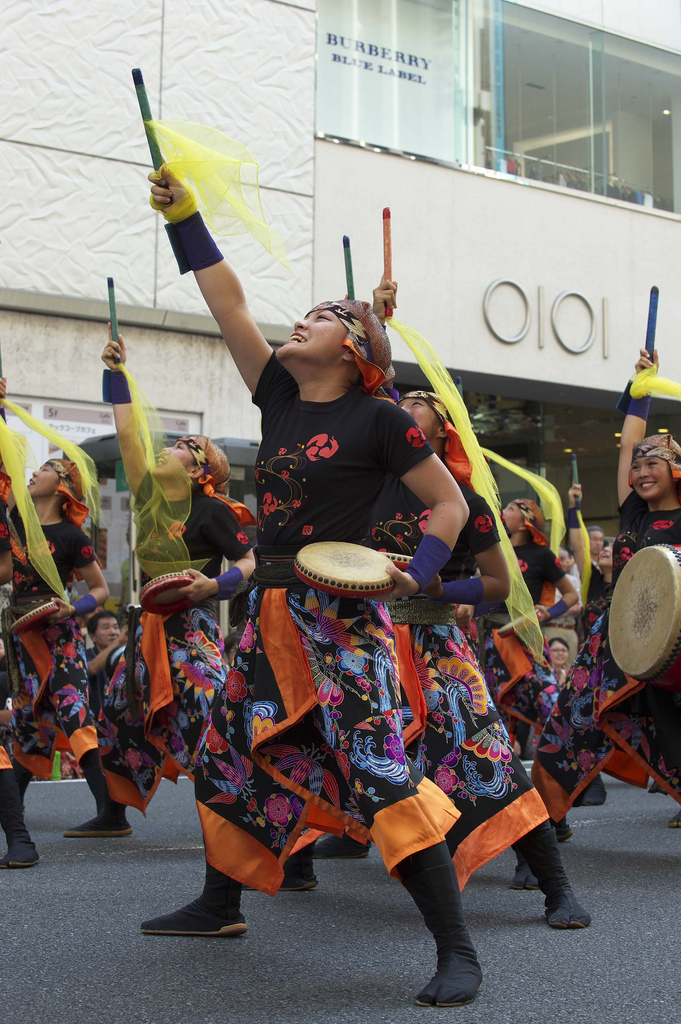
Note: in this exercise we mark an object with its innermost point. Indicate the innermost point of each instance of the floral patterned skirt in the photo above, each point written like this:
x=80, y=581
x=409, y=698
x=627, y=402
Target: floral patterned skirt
x=466, y=750
x=50, y=712
x=308, y=733
x=604, y=720
x=523, y=687
x=178, y=670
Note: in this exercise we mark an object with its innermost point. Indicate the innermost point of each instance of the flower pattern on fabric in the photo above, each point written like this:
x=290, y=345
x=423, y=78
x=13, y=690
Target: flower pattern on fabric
x=63, y=706
x=533, y=697
x=464, y=748
x=136, y=748
x=347, y=751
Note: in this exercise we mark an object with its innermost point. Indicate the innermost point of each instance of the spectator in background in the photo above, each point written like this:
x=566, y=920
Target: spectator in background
x=560, y=658
x=105, y=634
x=232, y=642
x=596, y=539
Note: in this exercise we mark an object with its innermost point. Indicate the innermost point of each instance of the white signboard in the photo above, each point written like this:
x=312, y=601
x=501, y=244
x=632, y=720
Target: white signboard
x=385, y=74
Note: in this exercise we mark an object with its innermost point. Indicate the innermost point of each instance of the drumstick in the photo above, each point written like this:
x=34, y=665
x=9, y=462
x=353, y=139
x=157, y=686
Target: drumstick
x=145, y=111
x=652, y=320
x=113, y=315
x=387, y=254
x=459, y=385
x=575, y=472
x=349, y=277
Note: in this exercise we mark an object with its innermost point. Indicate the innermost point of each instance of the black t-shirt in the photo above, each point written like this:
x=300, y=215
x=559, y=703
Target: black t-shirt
x=321, y=465
x=598, y=598
x=5, y=544
x=640, y=528
x=211, y=531
x=400, y=521
x=71, y=549
x=538, y=565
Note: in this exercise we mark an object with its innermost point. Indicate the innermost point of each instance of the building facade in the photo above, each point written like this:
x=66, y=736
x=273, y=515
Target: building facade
x=530, y=155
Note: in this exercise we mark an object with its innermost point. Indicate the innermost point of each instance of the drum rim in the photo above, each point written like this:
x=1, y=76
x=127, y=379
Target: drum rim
x=658, y=667
x=374, y=587
x=29, y=615
x=147, y=594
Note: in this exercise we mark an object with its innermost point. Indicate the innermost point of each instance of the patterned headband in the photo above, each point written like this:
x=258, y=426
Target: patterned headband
x=200, y=457
x=432, y=400
x=658, y=446
x=354, y=325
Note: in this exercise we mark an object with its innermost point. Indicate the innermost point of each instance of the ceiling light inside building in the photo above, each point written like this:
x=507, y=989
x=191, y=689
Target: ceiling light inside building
x=567, y=450
x=666, y=111
x=618, y=433
x=662, y=430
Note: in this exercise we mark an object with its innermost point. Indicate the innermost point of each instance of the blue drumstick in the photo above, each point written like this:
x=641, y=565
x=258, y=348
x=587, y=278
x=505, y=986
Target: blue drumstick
x=652, y=320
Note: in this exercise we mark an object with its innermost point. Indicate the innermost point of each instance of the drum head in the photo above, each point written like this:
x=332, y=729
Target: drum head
x=163, y=596
x=341, y=568
x=645, y=615
x=35, y=618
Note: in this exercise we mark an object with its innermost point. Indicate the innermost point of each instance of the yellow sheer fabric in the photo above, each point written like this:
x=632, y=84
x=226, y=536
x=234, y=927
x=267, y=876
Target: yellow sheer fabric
x=224, y=174
x=163, y=501
x=549, y=498
x=647, y=382
x=519, y=603
x=86, y=467
x=586, y=575
x=15, y=452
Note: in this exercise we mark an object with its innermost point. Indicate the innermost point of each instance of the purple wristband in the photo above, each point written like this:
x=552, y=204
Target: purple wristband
x=431, y=554
x=488, y=608
x=198, y=243
x=84, y=605
x=228, y=582
x=468, y=591
x=557, y=609
x=572, y=518
x=118, y=388
x=639, y=407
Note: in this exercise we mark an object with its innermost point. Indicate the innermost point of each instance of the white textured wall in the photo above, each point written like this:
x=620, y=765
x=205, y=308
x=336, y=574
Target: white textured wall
x=72, y=144
x=652, y=21
x=455, y=232
x=55, y=357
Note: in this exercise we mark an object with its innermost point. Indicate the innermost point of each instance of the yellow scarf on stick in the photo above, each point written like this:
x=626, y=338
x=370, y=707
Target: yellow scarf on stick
x=519, y=603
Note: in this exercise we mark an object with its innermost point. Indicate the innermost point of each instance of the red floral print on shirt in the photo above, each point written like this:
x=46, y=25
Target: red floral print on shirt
x=663, y=524
x=416, y=437
x=321, y=446
x=483, y=524
x=523, y=565
x=86, y=551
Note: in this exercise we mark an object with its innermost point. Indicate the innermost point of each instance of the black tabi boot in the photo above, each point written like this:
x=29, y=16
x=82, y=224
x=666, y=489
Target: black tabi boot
x=216, y=913
x=430, y=879
x=299, y=873
x=675, y=822
x=563, y=830
x=540, y=849
x=23, y=776
x=21, y=853
x=110, y=820
x=594, y=795
x=341, y=848
x=523, y=878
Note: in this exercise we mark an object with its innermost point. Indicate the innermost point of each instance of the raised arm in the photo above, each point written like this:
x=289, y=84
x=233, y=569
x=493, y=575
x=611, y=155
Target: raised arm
x=575, y=532
x=218, y=282
x=633, y=430
x=132, y=452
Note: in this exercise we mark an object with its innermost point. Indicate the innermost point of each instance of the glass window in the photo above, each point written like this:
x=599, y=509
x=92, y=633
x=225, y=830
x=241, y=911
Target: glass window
x=494, y=84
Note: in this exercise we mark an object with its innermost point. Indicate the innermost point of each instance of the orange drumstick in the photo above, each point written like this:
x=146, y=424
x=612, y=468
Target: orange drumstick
x=387, y=254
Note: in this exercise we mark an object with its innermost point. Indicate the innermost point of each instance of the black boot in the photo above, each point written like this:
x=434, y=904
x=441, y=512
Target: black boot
x=523, y=878
x=341, y=848
x=215, y=913
x=110, y=820
x=675, y=822
x=430, y=879
x=594, y=795
x=563, y=830
x=21, y=853
x=540, y=849
x=23, y=777
x=299, y=874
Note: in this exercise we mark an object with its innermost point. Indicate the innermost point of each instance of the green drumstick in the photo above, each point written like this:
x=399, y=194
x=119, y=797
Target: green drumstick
x=113, y=316
x=349, y=276
x=145, y=110
x=575, y=473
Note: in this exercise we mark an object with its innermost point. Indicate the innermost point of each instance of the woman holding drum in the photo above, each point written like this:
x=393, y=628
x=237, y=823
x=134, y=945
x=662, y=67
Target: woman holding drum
x=309, y=731
x=21, y=852
x=157, y=705
x=621, y=709
x=46, y=655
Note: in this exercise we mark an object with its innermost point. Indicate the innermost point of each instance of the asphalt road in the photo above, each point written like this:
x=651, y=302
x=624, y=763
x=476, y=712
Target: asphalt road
x=353, y=950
